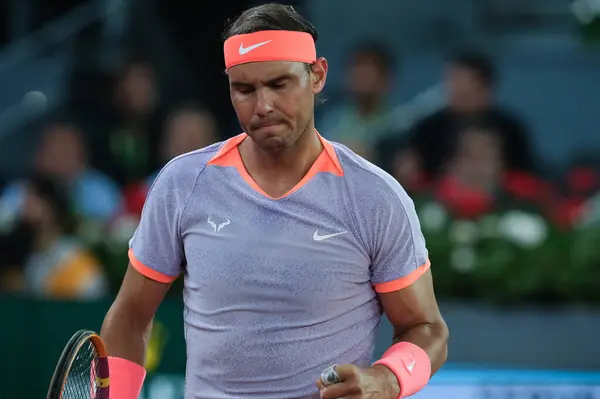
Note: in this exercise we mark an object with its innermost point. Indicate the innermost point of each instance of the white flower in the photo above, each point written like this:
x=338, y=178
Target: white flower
x=463, y=232
x=524, y=229
x=586, y=10
x=433, y=217
x=463, y=259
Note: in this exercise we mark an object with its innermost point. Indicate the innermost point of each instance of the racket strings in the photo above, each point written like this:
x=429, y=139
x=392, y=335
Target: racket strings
x=81, y=378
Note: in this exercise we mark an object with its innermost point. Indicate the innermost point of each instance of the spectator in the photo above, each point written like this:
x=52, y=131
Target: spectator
x=62, y=155
x=405, y=166
x=188, y=128
x=361, y=119
x=471, y=180
x=470, y=81
x=126, y=145
x=477, y=161
x=55, y=265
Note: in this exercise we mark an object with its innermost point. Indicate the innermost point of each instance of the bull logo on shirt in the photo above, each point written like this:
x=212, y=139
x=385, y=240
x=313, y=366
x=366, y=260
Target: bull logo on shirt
x=216, y=225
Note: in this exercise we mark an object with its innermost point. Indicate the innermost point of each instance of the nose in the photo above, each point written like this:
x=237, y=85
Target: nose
x=264, y=102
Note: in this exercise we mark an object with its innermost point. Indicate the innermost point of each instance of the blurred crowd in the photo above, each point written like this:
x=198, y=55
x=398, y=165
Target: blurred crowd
x=87, y=182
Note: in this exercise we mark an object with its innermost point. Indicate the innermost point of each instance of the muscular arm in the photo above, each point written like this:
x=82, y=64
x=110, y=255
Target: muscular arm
x=416, y=318
x=128, y=322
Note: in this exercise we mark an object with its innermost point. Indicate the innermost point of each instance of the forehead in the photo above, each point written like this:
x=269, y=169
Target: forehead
x=479, y=136
x=461, y=72
x=61, y=135
x=262, y=72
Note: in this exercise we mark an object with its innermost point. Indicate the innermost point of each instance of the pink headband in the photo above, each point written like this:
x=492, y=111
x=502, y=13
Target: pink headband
x=269, y=45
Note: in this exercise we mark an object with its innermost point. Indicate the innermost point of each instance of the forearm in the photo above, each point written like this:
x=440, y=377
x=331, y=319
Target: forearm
x=412, y=373
x=124, y=336
x=432, y=338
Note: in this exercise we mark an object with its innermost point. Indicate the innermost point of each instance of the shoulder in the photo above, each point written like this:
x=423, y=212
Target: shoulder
x=74, y=254
x=13, y=189
x=435, y=118
x=368, y=184
x=98, y=183
x=183, y=171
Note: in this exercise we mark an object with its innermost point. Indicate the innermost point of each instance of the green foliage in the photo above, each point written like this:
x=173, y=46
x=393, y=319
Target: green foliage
x=513, y=255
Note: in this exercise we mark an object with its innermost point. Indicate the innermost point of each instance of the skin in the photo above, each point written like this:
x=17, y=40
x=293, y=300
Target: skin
x=274, y=102
x=467, y=92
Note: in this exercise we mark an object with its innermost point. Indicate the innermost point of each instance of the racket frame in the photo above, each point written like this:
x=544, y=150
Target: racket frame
x=67, y=357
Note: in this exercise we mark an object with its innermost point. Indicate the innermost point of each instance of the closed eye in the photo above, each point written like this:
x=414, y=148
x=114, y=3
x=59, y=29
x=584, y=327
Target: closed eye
x=243, y=88
x=280, y=84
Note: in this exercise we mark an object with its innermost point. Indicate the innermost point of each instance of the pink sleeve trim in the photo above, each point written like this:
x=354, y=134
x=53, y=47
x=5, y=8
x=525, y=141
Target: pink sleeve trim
x=148, y=272
x=403, y=282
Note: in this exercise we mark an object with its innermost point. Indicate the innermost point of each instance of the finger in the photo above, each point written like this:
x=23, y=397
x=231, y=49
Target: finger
x=340, y=390
x=320, y=384
x=346, y=372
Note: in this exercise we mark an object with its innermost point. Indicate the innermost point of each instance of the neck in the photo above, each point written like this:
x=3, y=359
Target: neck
x=297, y=158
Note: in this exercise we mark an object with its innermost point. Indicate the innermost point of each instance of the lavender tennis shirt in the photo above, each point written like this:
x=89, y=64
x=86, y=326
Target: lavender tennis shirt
x=277, y=289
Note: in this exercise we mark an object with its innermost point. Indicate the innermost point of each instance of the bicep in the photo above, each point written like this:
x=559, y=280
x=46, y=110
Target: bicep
x=139, y=297
x=156, y=248
x=413, y=305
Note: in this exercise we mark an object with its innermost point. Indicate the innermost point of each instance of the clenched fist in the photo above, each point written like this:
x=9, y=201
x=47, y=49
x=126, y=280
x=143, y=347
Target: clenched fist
x=377, y=382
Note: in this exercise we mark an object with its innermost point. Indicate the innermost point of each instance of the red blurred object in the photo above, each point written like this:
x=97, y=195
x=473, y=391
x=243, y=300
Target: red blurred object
x=461, y=200
x=583, y=181
x=135, y=196
x=525, y=186
x=568, y=212
x=419, y=184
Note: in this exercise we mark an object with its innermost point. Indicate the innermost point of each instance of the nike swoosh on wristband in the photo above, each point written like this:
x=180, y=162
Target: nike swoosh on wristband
x=246, y=50
x=410, y=366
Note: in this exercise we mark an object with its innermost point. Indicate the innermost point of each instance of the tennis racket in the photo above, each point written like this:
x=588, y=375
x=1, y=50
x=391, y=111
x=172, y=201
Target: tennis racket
x=82, y=370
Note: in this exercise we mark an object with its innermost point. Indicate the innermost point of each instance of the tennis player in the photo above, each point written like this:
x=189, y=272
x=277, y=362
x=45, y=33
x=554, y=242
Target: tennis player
x=291, y=246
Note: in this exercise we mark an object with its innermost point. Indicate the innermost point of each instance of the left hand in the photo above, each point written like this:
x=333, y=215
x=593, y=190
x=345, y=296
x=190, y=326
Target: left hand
x=377, y=382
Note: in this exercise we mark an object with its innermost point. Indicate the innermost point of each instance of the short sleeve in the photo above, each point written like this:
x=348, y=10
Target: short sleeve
x=399, y=252
x=156, y=248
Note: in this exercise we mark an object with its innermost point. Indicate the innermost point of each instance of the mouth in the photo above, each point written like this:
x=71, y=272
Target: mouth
x=267, y=125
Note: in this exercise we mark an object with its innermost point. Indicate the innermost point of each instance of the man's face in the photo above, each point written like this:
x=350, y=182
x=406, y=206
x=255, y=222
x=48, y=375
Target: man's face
x=274, y=101
x=466, y=91
x=365, y=78
x=188, y=131
x=138, y=88
x=61, y=153
x=479, y=157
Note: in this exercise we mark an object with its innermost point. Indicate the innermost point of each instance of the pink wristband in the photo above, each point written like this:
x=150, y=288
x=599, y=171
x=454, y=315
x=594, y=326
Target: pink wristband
x=126, y=378
x=411, y=366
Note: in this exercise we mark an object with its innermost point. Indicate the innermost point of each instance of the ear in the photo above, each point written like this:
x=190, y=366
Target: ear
x=319, y=75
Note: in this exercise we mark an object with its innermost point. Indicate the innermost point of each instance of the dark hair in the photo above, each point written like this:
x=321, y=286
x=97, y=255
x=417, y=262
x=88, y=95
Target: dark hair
x=480, y=64
x=57, y=195
x=378, y=52
x=270, y=16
